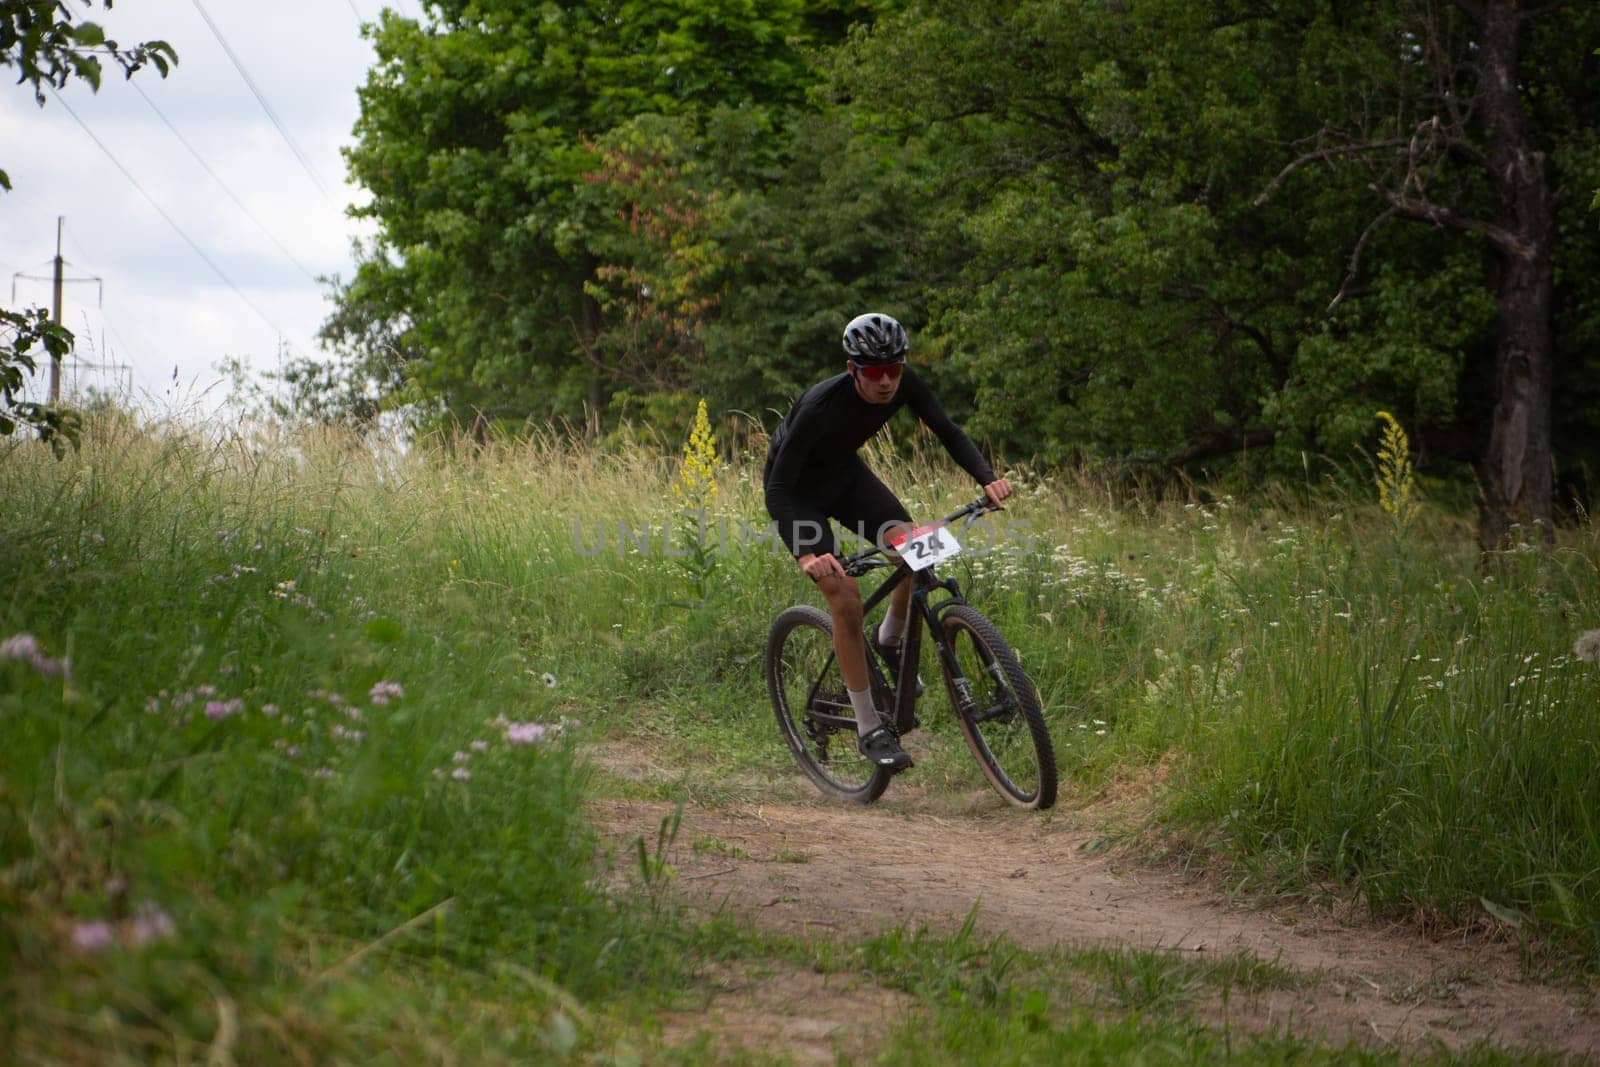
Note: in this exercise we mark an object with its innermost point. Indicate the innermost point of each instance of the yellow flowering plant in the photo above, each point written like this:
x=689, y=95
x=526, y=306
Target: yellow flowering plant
x=695, y=490
x=1395, y=481
x=696, y=485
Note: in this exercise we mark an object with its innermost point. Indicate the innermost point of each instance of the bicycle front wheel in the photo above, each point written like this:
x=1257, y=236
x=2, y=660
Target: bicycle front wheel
x=813, y=707
x=998, y=711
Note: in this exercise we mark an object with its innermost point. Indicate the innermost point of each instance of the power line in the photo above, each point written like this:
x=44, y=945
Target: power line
x=131, y=352
x=261, y=99
x=126, y=173
x=224, y=185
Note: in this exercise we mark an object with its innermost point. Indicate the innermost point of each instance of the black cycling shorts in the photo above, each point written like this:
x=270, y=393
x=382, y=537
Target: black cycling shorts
x=856, y=499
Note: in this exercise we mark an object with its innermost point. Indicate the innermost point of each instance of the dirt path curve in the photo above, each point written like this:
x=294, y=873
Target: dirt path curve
x=790, y=866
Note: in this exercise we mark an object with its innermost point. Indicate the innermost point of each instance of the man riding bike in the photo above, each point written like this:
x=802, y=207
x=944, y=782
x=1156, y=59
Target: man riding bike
x=813, y=473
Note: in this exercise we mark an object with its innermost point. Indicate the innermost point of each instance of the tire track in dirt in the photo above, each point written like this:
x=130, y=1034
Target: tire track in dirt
x=821, y=869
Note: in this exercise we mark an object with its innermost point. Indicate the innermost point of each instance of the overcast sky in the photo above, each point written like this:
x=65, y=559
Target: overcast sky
x=167, y=315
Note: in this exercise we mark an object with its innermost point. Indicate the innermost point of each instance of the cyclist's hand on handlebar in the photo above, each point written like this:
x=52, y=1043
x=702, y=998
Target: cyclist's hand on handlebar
x=820, y=567
x=997, y=491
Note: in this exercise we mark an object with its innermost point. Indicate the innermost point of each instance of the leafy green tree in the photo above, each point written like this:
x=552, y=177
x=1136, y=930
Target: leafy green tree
x=478, y=139
x=1477, y=101
x=1120, y=297
x=741, y=299
x=49, y=48
x=1130, y=292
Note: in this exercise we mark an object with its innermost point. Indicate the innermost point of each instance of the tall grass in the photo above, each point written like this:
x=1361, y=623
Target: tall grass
x=289, y=737
x=1330, y=698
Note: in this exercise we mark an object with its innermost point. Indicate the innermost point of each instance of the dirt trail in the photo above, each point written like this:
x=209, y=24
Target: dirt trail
x=785, y=865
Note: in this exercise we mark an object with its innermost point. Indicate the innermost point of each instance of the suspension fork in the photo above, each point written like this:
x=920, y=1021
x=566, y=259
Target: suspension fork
x=931, y=613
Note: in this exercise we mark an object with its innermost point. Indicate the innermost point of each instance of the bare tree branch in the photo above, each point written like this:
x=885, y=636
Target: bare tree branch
x=1355, y=256
x=1439, y=215
x=1325, y=155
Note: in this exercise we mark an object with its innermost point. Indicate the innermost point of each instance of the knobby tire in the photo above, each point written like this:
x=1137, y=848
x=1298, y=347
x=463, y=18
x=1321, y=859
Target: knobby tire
x=1005, y=727
x=799, y=653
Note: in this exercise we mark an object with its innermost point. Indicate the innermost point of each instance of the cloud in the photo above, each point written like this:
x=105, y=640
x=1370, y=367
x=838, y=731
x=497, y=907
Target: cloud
x=164, y=306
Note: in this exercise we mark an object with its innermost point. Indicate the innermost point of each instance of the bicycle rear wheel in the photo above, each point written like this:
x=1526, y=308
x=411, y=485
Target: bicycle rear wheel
x=813, y=707
x=998, y=711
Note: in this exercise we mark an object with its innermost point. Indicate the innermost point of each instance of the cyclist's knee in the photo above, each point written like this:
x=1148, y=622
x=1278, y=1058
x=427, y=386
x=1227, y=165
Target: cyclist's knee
x=844, y=598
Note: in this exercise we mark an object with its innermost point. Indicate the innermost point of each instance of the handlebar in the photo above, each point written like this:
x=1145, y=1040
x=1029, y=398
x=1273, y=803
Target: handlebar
x=865, y=560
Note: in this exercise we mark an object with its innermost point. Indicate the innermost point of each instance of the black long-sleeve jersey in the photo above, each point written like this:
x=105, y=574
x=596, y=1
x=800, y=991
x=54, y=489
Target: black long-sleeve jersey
x=818, y=439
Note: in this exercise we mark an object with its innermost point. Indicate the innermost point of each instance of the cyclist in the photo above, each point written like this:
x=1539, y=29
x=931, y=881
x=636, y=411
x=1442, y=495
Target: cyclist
x=813, y=473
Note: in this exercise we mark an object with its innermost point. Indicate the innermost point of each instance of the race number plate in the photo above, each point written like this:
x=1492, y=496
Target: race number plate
x=926, y=546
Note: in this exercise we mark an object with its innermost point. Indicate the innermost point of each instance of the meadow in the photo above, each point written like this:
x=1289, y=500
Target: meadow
x=297, y=734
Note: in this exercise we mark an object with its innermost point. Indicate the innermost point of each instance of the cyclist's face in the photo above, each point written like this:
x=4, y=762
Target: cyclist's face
x=876, y=385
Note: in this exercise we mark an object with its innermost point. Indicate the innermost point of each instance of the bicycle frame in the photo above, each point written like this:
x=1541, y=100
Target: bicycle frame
x=923, y=612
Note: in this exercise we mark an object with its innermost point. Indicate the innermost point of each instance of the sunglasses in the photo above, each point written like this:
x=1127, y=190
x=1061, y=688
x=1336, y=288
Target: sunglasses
x=881, y=372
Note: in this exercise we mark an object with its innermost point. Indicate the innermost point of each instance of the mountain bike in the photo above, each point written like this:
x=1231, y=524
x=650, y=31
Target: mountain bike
x=995, y=704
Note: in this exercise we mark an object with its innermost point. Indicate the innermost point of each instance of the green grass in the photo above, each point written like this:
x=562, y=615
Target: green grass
x=980, y=999
x=1334, y=702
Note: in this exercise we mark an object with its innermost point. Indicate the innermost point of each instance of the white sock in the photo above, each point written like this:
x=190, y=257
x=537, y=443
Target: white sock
x=867, y=718
x=891, y=628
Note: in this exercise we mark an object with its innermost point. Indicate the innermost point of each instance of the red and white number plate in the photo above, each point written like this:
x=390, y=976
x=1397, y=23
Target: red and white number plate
x=926, y=546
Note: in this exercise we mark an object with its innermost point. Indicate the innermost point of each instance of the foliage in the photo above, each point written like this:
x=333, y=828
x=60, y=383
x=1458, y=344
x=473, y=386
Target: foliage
x=20, y=331
x=41, y=39
x=475, y=140
x=1273, y=667
x=293, y=758
x=1119, y=201
x=1109, y=197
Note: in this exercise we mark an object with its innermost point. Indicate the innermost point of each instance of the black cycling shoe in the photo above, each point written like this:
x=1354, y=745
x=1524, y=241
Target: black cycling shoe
x=882, y=747
x=890, y=654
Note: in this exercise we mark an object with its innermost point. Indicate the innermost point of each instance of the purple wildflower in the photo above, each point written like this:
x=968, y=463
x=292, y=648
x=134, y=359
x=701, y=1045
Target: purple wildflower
x=150, y=923
x=383, y=692
x=526, y=733
x=93, y=936
x=25, y=647
x=461, y=774
x=221, y=709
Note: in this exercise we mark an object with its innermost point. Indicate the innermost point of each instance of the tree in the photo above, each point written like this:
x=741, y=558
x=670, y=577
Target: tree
x=1129, y=293
x=1120, y=295
x=1456, y=143
x=475, y=138
x=41, y=39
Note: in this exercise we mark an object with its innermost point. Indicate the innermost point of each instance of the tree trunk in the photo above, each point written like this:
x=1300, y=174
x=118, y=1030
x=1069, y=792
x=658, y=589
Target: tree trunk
x=1515, y=467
